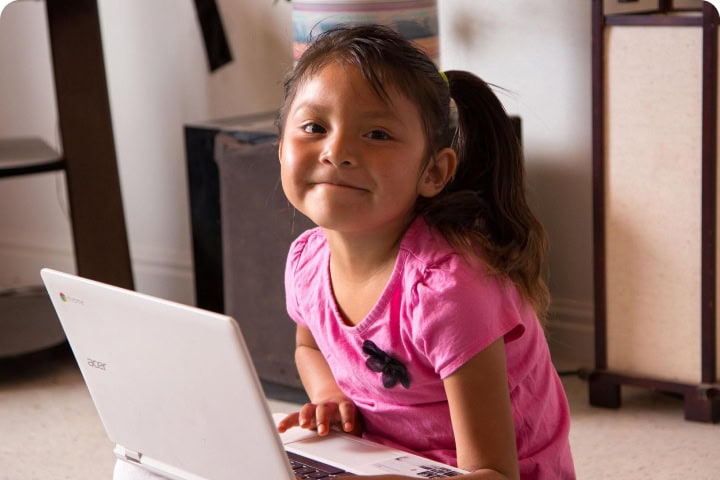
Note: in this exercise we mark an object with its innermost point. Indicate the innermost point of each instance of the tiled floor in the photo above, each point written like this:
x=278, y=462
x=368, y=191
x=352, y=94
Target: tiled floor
x=49, y=430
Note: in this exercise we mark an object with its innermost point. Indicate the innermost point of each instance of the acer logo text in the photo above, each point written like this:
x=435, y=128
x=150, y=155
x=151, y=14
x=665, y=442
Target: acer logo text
x=96, y=364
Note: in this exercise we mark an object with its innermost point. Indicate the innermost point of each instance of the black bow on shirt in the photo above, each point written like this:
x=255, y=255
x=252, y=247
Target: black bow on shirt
x=392, y=370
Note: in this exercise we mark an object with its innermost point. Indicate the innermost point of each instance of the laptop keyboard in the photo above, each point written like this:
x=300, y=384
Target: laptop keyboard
x=306, y=468
x=437, y=472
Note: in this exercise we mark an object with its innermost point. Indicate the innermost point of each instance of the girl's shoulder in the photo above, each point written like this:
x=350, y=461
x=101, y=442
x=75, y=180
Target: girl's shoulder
x=427, y=251
x=309, y=242
x=307, y=249
x=435, y=273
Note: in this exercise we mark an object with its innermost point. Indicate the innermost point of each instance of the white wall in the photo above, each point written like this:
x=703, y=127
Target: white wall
x=538, y=51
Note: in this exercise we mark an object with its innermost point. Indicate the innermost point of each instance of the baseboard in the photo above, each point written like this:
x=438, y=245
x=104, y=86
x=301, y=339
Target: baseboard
x=571, y=333
x=164, y=273
x=22, y=261
x=161, y=272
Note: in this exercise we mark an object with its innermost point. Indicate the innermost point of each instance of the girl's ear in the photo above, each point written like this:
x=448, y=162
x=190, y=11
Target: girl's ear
x=438, y=173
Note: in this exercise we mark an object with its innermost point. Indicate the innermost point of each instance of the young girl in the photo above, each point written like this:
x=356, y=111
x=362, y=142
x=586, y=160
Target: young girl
x=418, y=297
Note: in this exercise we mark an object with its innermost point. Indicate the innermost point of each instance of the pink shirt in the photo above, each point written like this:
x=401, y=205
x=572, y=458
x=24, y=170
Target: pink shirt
x=437, y=312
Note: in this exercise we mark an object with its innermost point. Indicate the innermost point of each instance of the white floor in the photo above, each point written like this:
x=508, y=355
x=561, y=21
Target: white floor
x=49, y=430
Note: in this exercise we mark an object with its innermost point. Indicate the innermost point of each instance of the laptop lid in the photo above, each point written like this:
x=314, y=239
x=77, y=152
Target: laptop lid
x=174, y=385
x=177, y=392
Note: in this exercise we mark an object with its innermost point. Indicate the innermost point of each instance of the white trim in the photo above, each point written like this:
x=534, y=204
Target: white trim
x=162, y=258
x=164, y=273
x=21, y=262
x=161, y=272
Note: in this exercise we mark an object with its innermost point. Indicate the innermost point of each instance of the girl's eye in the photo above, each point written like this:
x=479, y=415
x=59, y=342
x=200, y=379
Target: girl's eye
x=313, y=128
x=379, y=135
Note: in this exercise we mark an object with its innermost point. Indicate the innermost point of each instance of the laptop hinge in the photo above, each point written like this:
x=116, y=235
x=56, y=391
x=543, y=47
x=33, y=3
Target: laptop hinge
x=131, y=456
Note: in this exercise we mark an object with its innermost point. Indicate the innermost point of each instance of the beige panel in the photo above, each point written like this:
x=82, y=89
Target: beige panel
x=611, y=7
x=653, y=200
x=688, y=4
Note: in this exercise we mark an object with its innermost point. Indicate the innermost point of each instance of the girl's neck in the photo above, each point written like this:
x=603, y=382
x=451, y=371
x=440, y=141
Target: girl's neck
x=359, y=256
x=360, y=268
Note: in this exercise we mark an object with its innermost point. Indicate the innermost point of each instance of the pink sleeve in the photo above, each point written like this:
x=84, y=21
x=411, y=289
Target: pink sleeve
x=291, y=286
x=459, y=310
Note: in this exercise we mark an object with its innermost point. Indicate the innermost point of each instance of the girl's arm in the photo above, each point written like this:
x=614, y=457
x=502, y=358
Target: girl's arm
x=328, y=404
x=482, y=416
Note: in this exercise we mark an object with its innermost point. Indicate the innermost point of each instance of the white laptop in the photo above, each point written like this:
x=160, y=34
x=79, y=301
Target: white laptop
x=177, y=392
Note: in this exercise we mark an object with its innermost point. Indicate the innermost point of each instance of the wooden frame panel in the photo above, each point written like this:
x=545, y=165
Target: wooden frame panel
x=697, y=221
x=98, y=222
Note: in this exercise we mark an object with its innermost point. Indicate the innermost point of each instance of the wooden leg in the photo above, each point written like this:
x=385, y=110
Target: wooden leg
x=603, y=392
x=702, y=405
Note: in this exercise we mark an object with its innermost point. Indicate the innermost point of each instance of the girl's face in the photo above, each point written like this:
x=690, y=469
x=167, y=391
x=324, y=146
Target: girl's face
x=350, y=161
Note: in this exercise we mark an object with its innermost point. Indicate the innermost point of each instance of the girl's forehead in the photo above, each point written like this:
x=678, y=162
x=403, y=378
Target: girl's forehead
x=376, y=81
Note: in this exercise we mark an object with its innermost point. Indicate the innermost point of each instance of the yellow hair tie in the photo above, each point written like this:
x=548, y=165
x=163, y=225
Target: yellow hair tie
x=444, y=77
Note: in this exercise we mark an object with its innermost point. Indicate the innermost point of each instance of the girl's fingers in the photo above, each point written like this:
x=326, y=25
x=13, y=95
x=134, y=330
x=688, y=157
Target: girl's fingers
x=347, y=416
x=324, y=415
x=320, y=417
x=307, y=415
x=292, y=420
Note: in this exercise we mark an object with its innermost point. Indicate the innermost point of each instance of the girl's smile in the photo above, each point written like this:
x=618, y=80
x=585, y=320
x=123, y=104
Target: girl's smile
x=335, y=183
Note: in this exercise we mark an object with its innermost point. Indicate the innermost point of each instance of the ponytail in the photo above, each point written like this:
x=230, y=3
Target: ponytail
x=483, y=210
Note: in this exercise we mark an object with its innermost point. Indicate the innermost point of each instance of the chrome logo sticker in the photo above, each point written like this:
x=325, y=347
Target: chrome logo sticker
x=69, y=299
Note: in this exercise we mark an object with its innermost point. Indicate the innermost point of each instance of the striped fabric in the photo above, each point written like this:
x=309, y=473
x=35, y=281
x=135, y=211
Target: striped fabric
x=416, y=20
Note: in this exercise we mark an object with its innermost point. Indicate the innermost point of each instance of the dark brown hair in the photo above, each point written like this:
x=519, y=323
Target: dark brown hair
x=483, y=210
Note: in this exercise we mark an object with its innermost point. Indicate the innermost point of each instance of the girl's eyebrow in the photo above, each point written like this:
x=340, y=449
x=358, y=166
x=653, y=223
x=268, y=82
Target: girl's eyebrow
x=370, y=114
x=381, y=115
x=312, y=107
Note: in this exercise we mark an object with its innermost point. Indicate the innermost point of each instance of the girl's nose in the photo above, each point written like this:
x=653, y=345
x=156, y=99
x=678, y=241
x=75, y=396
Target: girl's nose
x=338, y=151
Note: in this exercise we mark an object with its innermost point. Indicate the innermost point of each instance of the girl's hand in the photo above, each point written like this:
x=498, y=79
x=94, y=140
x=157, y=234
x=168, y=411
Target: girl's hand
x=323, y=415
